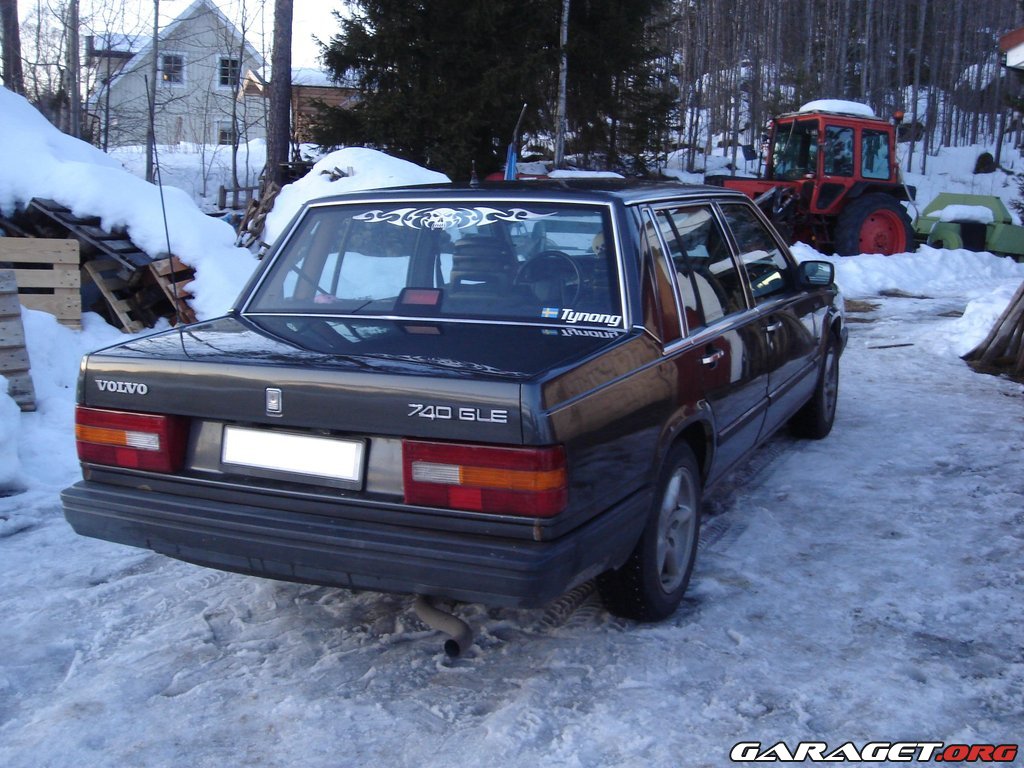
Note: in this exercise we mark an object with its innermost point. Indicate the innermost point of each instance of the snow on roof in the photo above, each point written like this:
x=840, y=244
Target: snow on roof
x=312, y=77
x=838, y=105
x=362, y=168
x=117, y=42
x=566, y=174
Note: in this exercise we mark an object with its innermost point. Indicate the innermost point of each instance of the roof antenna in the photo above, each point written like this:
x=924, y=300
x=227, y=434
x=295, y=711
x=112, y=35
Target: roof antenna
x=511, y=156
x=474, y=180
x=151, y=95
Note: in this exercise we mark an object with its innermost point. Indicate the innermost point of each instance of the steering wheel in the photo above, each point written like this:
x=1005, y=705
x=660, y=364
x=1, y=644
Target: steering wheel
x=551, y=267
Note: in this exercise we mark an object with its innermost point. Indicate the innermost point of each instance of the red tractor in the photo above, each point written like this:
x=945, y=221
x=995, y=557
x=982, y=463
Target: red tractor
x=833, y=181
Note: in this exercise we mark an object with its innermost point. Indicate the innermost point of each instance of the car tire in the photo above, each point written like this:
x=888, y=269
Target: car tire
x=651, y=584
x=875, y=223
x=814, y=420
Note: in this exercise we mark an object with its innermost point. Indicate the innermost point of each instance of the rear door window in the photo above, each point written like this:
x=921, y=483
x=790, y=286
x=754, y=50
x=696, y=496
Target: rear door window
x=710, y=284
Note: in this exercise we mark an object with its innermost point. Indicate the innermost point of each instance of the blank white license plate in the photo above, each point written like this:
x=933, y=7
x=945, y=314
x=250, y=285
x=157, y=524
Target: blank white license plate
x=294, y=454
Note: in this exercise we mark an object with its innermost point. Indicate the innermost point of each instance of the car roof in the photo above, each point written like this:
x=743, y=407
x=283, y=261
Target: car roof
x=628, y=191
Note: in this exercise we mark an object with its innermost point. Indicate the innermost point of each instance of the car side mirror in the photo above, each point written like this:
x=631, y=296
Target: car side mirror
x=817, y=273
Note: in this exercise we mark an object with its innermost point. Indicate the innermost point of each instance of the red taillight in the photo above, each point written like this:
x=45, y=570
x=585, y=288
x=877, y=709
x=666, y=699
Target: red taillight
x=510, y=481
x=130, y=440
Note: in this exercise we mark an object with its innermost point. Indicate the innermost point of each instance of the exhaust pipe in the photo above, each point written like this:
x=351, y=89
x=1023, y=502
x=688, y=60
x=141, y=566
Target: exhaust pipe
x=460, y=636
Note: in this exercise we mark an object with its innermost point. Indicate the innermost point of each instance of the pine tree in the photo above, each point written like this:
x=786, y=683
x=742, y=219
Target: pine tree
x=443, y=81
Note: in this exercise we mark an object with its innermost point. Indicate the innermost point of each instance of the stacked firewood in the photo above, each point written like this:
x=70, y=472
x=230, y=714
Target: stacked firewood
x=1002, y=351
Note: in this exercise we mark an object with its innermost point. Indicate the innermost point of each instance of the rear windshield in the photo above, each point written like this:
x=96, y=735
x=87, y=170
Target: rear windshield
x=524, y=262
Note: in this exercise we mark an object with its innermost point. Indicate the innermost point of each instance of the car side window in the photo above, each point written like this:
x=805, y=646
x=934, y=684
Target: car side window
x=768, y=270
x=669, y=311
x=710, y=284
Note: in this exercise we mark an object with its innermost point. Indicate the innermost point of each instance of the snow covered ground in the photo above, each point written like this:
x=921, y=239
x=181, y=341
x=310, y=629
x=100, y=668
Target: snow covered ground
x=865, y=587
x=862, y=588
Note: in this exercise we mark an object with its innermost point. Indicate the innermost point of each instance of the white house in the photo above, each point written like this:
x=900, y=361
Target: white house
x=1011, y=45
x=200, y=57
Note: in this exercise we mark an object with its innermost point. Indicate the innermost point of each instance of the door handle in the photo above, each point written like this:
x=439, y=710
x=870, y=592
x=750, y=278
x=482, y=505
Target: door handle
x=711, y=359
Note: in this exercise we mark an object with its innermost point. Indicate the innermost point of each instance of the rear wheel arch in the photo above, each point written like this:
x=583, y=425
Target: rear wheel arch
x=650, y=585
x=697, y=433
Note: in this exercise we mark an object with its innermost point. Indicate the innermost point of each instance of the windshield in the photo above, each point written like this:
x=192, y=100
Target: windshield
x=526, y=262
x=796, y=150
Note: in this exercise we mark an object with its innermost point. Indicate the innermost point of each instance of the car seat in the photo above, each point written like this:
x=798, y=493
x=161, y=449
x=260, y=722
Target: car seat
x=482, y=265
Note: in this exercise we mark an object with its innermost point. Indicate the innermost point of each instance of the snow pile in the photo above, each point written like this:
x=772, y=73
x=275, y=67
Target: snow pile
x=931, y=271
x=37, y=449
x=978, y=284
x=838, y=105
x=37, y=160
x=352, y=169
x=960, y=213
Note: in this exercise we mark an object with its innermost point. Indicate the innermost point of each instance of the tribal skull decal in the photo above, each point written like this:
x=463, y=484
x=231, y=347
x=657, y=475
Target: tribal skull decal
x=448, y=218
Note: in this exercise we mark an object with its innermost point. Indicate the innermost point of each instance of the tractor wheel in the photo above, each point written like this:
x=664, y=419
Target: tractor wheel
x=874, y=223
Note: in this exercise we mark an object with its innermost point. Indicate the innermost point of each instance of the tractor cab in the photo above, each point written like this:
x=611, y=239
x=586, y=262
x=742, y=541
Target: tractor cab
x=838, y=153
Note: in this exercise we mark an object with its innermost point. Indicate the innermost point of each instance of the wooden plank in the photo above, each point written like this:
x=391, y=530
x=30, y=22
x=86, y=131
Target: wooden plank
x=64, y=304
x=12, y=334
x=13, y=359
x=165, y=266
x=9, y=305
x=8, y=285
x=65, y=277
x=19, y=387
x=37, y=250
x=14, y=362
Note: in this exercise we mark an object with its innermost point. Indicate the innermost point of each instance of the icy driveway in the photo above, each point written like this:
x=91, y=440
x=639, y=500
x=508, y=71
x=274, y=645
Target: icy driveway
x=867, y=587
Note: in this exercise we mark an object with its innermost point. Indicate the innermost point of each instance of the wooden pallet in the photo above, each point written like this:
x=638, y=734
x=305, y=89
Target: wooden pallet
x=174, y=278
x=14, y=362
x=106, y=275
x=126, y=285
x=46, y=272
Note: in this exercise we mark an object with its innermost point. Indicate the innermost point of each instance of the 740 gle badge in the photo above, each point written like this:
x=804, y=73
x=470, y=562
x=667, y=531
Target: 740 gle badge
x=458, y=413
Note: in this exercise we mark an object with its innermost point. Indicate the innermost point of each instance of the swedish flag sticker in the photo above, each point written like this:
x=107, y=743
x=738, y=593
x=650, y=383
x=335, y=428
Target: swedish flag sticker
x=549, y=312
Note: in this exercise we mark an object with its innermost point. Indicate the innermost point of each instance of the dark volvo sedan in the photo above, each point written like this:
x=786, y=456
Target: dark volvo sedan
x=483, y=394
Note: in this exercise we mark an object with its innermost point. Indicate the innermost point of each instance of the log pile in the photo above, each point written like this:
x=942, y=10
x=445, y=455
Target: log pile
x=1002, y=351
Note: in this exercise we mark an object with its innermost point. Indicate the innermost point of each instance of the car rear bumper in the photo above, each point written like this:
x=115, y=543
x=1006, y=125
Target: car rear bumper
x=356, y=554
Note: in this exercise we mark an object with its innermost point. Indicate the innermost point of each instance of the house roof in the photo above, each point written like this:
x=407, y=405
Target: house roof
x=1012, y=45
x=107, y=43
x=1011, y=40
x=301, y=76
x=181, y=18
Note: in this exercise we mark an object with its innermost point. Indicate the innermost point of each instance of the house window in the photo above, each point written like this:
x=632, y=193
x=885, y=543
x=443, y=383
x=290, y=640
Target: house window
x=229, y=71
x=172, y=68
x=225, y=133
